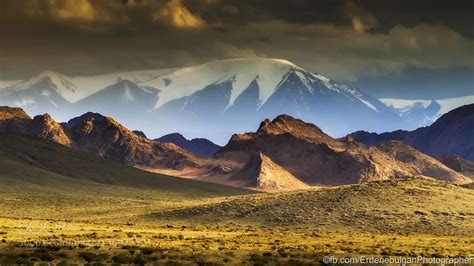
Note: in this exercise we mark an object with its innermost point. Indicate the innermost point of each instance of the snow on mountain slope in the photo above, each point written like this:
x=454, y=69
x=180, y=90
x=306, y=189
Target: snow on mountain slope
x=421, y=113
x=186, y=81
x=60, y=83
x=92, y=84
x=268, y=74
x=118, y=96
x=351, y=92
x=448, y=104
x=178, y=83
x=453, y=103
x=73, y=89
x=402, y=105
x=8, y=83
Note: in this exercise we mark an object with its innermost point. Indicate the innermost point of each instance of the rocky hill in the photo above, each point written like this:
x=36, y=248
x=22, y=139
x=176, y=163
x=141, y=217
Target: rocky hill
x=317, y=159
x=99, y=135
x=283, y=154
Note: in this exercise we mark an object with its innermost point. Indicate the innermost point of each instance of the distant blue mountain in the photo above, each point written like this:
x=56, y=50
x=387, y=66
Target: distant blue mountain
x=198, y=146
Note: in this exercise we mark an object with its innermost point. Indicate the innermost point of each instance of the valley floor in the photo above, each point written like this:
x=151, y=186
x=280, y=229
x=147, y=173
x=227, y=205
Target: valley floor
x=406, y=218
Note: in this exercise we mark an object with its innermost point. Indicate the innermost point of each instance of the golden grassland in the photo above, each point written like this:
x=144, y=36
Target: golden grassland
x=87, y=242
x=61, y=206
x=293, y=227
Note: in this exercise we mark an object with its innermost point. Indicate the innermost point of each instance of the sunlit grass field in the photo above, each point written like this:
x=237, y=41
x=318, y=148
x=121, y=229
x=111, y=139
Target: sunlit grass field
x=294, y=227
x=61, y=206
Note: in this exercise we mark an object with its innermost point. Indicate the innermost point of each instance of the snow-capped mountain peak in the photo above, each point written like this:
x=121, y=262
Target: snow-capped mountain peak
x=58, y=82
x=226, y=96
x=241, y=72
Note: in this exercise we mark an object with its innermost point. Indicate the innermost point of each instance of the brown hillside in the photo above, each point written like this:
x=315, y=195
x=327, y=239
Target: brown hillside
x=104, y=137
x=317, y=159
x=262, y=173
x=109, y=139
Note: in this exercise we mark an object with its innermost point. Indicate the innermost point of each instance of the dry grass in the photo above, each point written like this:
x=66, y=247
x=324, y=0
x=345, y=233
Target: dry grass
x=294, y=227
x=48, y=216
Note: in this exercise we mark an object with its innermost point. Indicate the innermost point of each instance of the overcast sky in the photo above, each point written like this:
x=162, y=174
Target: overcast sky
x=390, y=48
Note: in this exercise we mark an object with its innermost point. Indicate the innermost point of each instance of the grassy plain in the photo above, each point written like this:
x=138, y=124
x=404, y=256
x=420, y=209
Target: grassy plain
x=61, y=206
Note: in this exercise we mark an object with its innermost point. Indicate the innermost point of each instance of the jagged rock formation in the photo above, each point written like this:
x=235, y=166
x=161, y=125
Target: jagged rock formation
x=12, y=113
x=98, y=135
x=15, y=120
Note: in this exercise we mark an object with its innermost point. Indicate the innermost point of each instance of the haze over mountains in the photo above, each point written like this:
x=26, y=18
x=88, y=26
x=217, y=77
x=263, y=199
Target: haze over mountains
x=216, y=99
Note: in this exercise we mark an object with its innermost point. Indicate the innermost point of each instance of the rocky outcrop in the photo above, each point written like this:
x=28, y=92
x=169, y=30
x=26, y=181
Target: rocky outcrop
x=15, y=120
x=98, y=135
x=12, y=113
x=109, y=139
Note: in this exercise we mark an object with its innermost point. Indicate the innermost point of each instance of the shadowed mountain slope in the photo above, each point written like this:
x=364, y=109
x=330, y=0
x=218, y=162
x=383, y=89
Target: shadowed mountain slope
x=458, y=164
x=198, y=146
x=452, y=133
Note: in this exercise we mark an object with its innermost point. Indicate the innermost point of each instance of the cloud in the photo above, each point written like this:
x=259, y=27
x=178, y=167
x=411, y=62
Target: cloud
x=177, y=15
x=227, y=50
x=345, y=54
x=73, y=9
x=66, y=10
x=362, y=20
x=346, y=40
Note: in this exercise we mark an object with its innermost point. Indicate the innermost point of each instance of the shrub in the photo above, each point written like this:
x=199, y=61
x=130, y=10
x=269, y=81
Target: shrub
x=147, y=251
x=123, y=258
x=139, y=260
x=89, y=256
x=44, y=256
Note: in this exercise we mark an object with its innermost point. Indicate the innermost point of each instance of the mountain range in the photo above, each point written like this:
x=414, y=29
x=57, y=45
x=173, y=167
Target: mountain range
x=216, y=99
x=315, y=158
x=283, y=154
x=451, y=134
